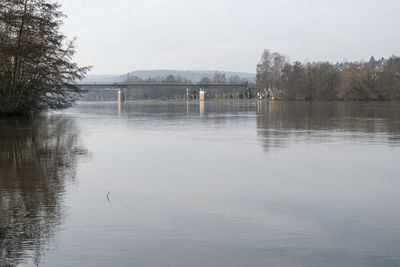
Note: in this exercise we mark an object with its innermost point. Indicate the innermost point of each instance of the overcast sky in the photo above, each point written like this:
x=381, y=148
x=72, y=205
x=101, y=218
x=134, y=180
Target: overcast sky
x=125, y=35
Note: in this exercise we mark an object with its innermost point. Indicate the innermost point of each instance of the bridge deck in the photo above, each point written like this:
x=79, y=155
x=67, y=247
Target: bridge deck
x=100, y=86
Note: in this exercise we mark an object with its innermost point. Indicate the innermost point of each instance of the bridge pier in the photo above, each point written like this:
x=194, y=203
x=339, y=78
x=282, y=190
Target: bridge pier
x=202, y=94
x=120, y=96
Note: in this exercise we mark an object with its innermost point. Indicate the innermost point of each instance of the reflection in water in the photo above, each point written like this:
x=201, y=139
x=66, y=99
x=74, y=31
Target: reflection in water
x=201, y=108
x=193, y=181
x=37, y=159
x=206, y=186
x=280, y=123
x=119, y=108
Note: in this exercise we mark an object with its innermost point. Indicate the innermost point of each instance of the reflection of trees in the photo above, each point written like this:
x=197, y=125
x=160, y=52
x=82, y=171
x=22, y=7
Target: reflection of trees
x=37, y=158
x=280, y=123
x=213, y=113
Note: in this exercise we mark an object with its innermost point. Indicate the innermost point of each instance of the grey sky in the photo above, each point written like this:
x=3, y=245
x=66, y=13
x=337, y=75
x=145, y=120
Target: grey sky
x=121, y=35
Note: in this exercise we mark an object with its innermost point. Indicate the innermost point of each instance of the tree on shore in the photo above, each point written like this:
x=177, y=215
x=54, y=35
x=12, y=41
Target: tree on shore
x=219, y=77
x=36, y=68
x=205, y=80
x=269, y=71
x=237, y=79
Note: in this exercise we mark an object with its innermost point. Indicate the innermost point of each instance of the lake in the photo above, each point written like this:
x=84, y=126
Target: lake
x=240, y=183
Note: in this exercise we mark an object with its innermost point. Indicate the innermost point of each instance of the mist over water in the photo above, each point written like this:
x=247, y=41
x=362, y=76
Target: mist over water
x=158, y=183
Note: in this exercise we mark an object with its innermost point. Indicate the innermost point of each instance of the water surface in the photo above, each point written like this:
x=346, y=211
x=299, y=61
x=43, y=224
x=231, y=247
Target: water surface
x=202, y=184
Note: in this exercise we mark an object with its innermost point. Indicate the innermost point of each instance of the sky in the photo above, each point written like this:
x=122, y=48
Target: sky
x=119, y=36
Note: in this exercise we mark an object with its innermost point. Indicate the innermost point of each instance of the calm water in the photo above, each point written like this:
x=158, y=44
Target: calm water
x=212, y=184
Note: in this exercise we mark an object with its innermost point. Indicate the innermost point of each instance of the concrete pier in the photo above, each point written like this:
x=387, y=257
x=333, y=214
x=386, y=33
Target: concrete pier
x=120, y=96
x=202, y=94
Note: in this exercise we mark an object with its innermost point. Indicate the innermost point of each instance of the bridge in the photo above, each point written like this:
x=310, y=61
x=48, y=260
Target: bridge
x=172, y=90
x=119, y=86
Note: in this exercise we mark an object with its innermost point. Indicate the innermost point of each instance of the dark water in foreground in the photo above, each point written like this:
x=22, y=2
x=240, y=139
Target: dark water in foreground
x=218, y=184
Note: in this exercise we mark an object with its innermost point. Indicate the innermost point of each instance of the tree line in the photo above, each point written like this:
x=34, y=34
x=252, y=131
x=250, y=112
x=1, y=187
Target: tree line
x=357, y=81
x=218, y=77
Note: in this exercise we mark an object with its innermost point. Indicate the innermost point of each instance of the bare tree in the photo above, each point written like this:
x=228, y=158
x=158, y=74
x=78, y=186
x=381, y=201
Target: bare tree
x=133, y=79
x=36, y=68
x=264, y=74
x=235, y=79
x=169, y=79
x=205, y=80
x=219, y=77
x=269, y=71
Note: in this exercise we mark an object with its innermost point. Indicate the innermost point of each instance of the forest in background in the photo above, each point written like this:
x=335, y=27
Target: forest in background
x=216, y=77
x=355, y=81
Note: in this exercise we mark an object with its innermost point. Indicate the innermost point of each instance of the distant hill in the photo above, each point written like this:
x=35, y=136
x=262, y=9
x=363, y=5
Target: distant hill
x=101, y=78
x=194, y=76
